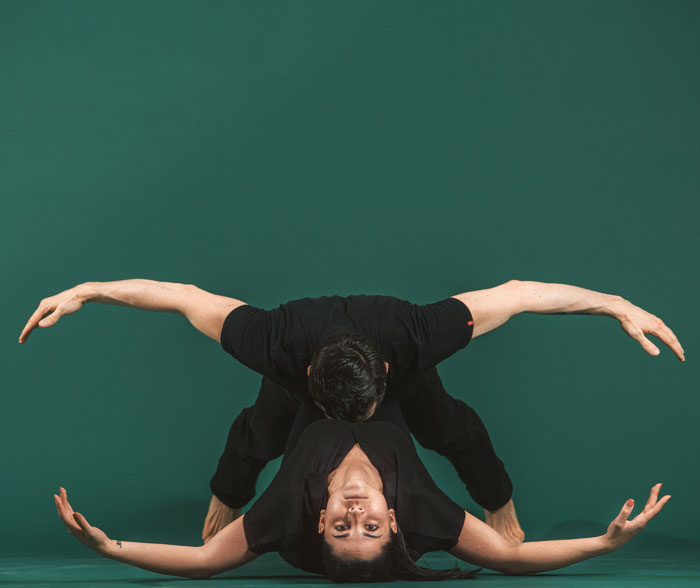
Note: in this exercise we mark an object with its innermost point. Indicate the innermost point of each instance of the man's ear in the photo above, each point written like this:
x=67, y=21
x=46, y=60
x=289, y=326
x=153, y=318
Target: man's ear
x=386, y=366
x=308, y=370
x=392, y=521
x=322, y=522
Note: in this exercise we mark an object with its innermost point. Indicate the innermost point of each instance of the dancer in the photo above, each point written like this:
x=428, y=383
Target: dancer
x=407, y=340
x=354, y=502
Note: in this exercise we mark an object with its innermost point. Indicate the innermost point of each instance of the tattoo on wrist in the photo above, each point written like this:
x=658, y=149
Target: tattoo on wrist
x=120, y=544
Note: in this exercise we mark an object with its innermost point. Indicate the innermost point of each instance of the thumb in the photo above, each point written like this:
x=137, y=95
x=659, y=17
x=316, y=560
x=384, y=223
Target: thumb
x=648, y=346
x=51, y=319
x=82, y=521
x=625, y=512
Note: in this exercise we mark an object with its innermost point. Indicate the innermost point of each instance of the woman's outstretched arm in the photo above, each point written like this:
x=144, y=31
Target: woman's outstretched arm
x=227, y=550
x=481, y=545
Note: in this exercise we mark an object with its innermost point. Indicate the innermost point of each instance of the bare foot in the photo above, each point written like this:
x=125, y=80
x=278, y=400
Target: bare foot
x=218, y=517
x=505, y=521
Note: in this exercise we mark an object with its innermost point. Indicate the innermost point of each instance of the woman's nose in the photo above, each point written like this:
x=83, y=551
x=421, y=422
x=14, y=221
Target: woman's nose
x=357, y=508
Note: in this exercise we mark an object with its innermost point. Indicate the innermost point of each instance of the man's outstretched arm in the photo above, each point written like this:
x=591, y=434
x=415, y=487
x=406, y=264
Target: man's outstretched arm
x=492, y=307
x=204, y=310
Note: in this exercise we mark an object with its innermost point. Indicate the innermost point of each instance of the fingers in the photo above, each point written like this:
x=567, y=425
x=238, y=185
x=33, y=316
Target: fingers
x=656, y=509
x=82, y=522
x=653, y=496
x=644, y=517
x=648, y=346
x=637, y=322
x=66, y=515
x=50, y=310
x=625, y=512
x=670, y=339
x=33, y=321
x=64, y=498
x=51, y=319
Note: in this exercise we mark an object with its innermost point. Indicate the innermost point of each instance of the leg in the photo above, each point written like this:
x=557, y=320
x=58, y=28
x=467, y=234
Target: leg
x=451, y=428
x=257, y=436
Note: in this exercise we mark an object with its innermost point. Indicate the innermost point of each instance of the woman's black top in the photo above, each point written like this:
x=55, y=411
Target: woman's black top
x=285, y=518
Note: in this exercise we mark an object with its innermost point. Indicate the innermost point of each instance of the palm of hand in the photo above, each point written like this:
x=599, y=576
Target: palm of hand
x=621, y=530
x=77, y=524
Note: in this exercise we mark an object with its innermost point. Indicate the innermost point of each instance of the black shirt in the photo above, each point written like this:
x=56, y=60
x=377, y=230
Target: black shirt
x=285, y=518
x=279, y=343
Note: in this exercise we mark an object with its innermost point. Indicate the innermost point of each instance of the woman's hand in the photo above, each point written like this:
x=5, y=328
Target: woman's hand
x=621, y=530
x=78, y=526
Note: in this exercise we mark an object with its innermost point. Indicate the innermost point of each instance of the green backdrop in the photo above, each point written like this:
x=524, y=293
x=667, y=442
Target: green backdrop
x=274, y=150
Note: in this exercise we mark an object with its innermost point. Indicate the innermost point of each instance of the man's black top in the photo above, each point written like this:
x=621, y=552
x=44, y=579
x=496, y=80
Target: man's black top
x=412, y=338
x=285, y=518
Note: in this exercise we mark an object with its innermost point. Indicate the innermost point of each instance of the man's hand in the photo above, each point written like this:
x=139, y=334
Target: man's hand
x=505, y=521
x=78, y=526
x=218, y=517
x=55, y=307
x=637, y=323
x=621, y=530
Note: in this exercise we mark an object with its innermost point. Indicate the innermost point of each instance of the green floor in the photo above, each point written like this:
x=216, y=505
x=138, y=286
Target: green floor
x=638, y=570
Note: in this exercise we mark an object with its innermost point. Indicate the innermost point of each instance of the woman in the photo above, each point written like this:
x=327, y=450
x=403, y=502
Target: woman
x=351, y=500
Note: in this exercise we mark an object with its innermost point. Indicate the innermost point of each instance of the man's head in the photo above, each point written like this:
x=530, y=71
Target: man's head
x=356, y=525
x=347, y=377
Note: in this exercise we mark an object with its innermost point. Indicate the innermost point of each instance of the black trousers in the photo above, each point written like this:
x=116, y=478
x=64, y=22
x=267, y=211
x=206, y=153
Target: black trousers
x=437, y=421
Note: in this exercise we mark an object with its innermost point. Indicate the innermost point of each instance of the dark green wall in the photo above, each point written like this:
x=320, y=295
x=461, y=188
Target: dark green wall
x=273, y=150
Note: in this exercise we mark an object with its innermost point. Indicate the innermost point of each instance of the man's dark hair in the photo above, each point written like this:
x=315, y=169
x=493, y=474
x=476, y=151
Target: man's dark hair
x=347, y=377
x=394, y=562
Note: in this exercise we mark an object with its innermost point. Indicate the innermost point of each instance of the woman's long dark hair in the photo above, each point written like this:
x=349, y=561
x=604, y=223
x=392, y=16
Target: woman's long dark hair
x=395, y=562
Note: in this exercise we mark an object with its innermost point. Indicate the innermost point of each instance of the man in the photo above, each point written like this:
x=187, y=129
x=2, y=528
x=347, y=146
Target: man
x=300, y=348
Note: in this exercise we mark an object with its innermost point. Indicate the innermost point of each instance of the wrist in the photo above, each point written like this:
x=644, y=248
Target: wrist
x=88, y=291
x=608, y=545
x=614, y=306
x=108, y=549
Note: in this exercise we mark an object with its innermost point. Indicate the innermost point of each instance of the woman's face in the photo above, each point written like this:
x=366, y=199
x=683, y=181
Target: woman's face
x=356, y=522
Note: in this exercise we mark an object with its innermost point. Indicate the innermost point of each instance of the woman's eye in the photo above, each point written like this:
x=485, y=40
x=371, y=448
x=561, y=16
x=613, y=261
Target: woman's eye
x=340, y=527
x=371, y=527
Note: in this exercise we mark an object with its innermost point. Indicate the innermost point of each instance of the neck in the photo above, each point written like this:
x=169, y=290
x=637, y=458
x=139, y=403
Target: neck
x=354, y=469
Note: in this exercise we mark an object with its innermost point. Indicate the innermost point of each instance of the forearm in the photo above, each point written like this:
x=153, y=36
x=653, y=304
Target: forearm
x=541, y=556
x=141, y=294
x=541, y=298
x=492, y=307
x=176, y=560
x=481, y=545
x=227, y=550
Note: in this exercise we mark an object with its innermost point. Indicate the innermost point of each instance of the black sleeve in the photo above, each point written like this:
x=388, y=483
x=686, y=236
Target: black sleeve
x=441, y=328
x=270, y=342
x=246, y=335
x=416, y=337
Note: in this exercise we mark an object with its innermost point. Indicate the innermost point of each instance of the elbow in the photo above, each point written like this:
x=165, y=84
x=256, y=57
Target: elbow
x=199, y=575
x=514, y=568
x=514, y=571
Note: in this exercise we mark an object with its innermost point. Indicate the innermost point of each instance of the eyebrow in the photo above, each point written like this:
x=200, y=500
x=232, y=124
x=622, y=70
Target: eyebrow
x=348, y=535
